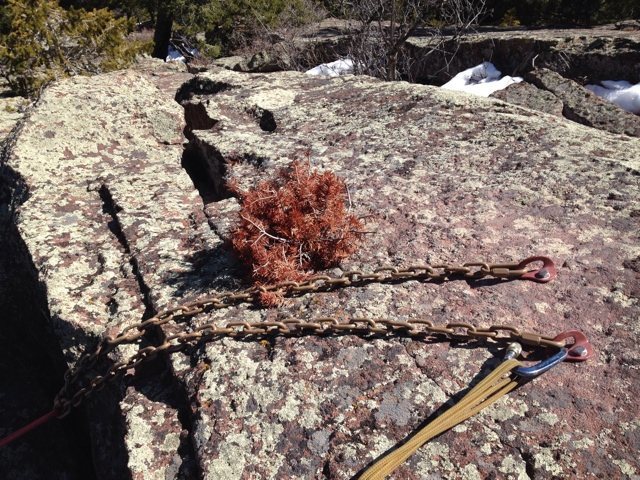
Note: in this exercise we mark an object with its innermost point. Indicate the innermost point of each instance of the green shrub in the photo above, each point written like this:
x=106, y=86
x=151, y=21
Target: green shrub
x=510, y=19
x=233, y=24
x=46, y=42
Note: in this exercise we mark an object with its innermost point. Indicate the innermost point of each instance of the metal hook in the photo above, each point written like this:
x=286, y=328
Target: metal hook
x=542, y=366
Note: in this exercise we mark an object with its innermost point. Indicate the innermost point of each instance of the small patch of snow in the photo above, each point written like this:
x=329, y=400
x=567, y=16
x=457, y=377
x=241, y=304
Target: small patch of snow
x=333, y=69
x=619, y=92
x=174, y=55
x=483, y=80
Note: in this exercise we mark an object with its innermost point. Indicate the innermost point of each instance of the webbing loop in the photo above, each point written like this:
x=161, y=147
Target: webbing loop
x=507, y=376
x=489, y=390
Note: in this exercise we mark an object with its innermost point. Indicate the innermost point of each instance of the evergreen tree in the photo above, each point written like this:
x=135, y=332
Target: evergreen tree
x=44, y=42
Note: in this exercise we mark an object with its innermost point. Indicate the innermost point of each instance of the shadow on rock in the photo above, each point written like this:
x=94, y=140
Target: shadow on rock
x=215, y=269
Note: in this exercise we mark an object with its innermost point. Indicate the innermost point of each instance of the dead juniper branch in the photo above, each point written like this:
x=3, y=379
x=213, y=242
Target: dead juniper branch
x=294, y=224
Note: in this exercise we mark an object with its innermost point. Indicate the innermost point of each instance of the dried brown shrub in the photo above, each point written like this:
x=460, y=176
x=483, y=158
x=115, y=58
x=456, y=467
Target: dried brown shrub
x=293, y=224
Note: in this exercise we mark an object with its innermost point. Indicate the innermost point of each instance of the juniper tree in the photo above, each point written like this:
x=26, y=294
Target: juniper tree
x=44, y=42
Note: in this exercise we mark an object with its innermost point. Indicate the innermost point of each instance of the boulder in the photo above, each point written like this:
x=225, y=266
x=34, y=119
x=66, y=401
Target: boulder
x=114, y=230
x=30, y=368
x=582, y=106
x=628, y=25
x=261, y=62
x=529, y=96
x=146, y=63
x=265, y=62
x=236, y=62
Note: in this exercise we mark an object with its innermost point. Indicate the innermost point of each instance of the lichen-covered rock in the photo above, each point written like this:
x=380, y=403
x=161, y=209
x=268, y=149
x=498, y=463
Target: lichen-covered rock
x=109, y=217
x=439, y=176
x=628, y=25
x=582, y=106
x=235, y=62
x=116, y=230
x=527, y=95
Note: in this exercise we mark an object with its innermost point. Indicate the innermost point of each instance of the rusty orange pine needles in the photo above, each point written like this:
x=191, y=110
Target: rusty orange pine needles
x=293, y=224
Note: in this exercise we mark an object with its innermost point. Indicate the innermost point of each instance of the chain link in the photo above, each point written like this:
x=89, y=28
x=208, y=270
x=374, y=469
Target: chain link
x=78, y=384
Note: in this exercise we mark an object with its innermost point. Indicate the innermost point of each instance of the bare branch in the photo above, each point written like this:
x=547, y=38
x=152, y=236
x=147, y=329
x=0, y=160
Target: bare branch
x=377, y=43
x=263, y=231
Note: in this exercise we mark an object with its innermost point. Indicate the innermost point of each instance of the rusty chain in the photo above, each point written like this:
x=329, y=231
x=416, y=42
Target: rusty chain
x=77, y=387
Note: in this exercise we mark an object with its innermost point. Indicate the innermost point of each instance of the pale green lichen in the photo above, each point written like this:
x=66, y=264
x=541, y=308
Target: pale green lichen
x=490, y=439
x=631, y=426
x=542, y=307
x=428, y=393
x=232, y=459
x=151, y=459
x=434, y=457
x=139, y=439
x=626, y=468
x=163, y=124
x=544, y=460
x=549, y=418
x=293, y=407
x=470, y=472
x=381, y=443
x=461, y=366
x=486, y=449
x=506, y=408
x=618, y=296
x=272, y=99
x=583, y=443
x=514, y=468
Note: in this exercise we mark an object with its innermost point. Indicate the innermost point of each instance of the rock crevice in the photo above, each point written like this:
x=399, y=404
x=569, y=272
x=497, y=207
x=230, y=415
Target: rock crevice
x=111, y=209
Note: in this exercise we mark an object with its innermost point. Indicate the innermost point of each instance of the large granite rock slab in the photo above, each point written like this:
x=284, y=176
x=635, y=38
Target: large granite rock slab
x=438, y=176
x=30, y=369
x=115, y=230
x=97, y=185
x=527, y=95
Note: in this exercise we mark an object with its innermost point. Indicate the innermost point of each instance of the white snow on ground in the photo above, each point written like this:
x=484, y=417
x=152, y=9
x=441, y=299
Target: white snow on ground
x=483, y=80
x=620, y=92
x=175, y=56
x=333, y=69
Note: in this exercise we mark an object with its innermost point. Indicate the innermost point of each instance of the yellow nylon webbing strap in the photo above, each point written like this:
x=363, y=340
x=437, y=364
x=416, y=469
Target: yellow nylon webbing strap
x=482, y=395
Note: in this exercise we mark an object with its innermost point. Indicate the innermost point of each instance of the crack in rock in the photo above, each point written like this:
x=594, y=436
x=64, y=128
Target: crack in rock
x=174, y=394
x=112, y=209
